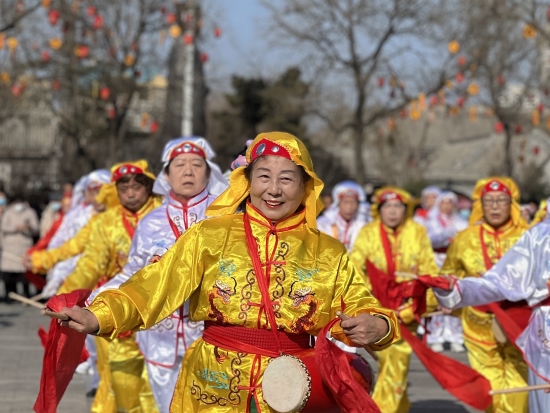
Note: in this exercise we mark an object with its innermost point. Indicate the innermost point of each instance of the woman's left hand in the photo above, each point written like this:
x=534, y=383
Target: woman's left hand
x=363, y=329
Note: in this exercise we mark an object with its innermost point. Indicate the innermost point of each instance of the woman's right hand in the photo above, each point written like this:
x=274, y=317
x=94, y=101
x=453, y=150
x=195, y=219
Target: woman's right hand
x=80, y=319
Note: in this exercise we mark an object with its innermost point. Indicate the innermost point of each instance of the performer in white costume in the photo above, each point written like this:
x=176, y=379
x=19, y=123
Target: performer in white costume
x=190, y=182
x=82, y=210
x=523, y=273
x=348, y=213
x=443, y=223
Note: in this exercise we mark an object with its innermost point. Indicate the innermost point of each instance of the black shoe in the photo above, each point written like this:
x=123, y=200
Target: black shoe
x=91, y=393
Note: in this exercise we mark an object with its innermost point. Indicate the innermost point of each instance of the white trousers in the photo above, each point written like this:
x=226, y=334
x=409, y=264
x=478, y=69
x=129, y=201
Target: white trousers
x=163, y=382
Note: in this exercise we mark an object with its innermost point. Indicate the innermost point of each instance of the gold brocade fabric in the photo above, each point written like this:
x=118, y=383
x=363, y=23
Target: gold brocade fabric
x=106, y=249
x=43, y=261
x=308, y=276
x=501, y=364
x=412, y=252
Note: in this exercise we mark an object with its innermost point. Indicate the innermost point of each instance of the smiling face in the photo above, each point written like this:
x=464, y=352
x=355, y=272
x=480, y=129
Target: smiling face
x=276, y=187
x=187, y=175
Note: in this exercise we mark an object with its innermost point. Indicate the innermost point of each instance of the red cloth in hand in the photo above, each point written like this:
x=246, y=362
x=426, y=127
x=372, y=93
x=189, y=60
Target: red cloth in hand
x=63, y=352
x=335, y=370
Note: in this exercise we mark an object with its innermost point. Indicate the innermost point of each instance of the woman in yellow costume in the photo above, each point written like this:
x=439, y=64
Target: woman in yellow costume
x=120, y=363
x=263, y=281
x=495, y=225
x=394, y=242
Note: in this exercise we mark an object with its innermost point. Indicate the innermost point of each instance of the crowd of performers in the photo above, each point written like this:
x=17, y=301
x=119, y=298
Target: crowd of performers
x=200, y=279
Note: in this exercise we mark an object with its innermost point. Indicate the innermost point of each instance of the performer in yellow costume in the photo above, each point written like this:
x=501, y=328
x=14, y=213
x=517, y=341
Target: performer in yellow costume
x=245, y=273
x=120, y=363
x=394, y=242
x=495, y=225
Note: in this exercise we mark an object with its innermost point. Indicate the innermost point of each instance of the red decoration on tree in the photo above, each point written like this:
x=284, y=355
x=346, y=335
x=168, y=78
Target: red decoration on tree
x=111, y=112
x=91, y=11
x=53, y=16
x=217, y=32
x=98, y=22
x=459, y=77
x=380, y=82
x=171, y=18
x=45, y=56
x=499, y=127
x=500, y=80
x=461, y=60
x=154, y=127
x=82, y=51
x=403, y=113
x=56, y=84
x=540, y=107
x=204, y=57
x=548, y=14
x=104, y=93
x=163, y=10
x=433, y=100
x=536, y=150
x=188, y=18
x=518, y=129
x=17, y=89
x=460, y=101
x=188, y=38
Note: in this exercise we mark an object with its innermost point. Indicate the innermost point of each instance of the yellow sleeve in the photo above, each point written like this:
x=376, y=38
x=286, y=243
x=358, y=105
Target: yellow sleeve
x=351, y=289
x=358, y=256
x=94, y=262
x=42, y=261
x=173, y=279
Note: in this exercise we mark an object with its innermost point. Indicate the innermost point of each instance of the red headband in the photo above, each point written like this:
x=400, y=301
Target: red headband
x=92, y=186
x=267, y=147
x=187, y=147
x=495, y=186
x=389, y=196
x=126, y=169
x=350, y=193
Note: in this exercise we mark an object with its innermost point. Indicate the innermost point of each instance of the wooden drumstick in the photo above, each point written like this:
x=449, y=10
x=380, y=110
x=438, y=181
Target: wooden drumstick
x=520, y=389
x=34, y=304
x=25, y=300
x=407, y=275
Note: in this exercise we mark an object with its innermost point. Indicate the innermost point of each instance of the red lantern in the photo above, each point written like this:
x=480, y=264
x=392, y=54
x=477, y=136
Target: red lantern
x=204, y=57
x=154, y=127
x=540, y=107
x=104, y=93
x=111, y=112
x=460, y=101
x=459, y=77
x=536, y=150
x=518, y=129
x=16, y=89
x=380, y=82
x=461, y=60
x=500, y=80
x=91, y=11
x=188, y=39
x=82, y=51
x=171, y=18
x=499, y=127
x=433, y=100
x=45, y=56
x=217, y=32
x=53, y=16
x=98, y=22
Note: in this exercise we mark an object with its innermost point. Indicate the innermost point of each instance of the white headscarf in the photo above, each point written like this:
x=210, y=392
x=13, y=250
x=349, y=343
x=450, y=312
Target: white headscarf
x=97, y=177
x=444, y=196
x=349, y=186
x=217, y=183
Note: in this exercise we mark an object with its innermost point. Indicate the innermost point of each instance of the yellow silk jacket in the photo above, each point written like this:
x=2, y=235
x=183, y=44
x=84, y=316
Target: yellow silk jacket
x=107, y=247
x=43, y=261
x=465, y=259
x=210, y=265
x=411, y=249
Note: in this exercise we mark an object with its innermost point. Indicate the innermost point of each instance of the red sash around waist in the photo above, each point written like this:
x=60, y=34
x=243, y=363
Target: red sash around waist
x=253, y=340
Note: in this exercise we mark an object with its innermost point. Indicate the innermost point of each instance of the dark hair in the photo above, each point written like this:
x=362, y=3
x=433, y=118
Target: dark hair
x=140, y=179
x=167, y=168
x=304, y=177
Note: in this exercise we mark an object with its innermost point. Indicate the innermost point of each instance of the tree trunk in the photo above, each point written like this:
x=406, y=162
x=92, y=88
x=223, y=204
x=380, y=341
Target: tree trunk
x=358, y=129
x=508, y=164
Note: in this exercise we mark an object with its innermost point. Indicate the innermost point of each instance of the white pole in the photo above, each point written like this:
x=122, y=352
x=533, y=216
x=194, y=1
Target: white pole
x=188, y=75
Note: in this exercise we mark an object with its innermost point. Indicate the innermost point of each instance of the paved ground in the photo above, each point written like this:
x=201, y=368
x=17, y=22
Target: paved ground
x=21, y=358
